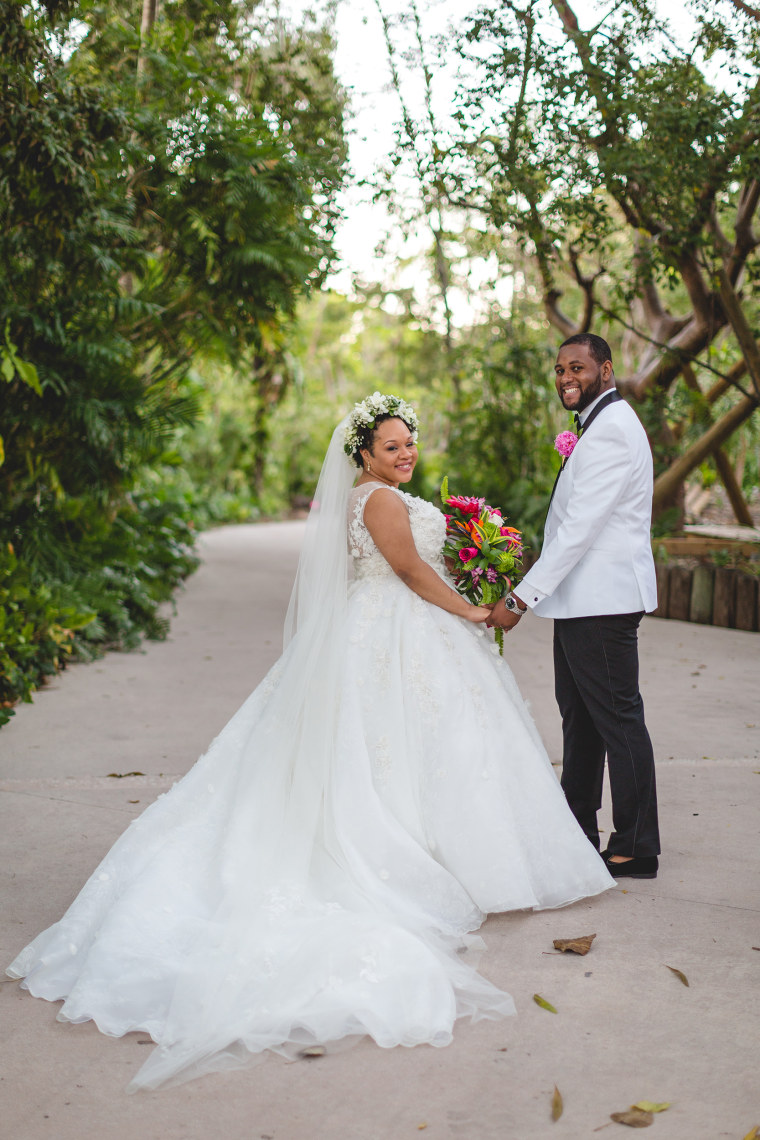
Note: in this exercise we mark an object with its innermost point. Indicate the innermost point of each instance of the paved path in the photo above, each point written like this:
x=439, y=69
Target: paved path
x=626, y=1027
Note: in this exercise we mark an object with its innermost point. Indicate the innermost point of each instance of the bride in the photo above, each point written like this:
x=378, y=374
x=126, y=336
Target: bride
x=316, y=874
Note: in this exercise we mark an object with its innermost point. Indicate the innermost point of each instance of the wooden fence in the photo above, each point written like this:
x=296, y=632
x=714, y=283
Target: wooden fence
x=710, y=595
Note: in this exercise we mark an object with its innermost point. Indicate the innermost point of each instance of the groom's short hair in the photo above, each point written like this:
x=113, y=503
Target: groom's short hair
x=596, y=345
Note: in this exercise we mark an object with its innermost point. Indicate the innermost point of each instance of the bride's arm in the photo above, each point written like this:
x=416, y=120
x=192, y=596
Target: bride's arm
x=387, y=520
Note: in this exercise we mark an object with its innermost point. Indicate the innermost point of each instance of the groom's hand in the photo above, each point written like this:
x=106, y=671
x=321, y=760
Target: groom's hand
x=500, y=615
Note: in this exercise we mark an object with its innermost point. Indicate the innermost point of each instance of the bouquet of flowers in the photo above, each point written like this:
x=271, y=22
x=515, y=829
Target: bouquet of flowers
x=482, y=552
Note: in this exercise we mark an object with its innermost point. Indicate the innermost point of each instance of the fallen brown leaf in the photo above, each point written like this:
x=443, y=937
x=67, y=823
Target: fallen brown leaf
x=123, y=775
x=312, y=1052
x=634, y=1118
x=557, y=1105
x=681, y=976
x=575, y=945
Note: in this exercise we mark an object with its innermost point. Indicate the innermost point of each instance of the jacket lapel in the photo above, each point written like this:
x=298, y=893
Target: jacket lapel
x=610, y=398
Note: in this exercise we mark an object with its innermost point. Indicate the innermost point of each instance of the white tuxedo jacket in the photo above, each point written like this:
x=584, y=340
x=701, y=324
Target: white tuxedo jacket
x=597, y=552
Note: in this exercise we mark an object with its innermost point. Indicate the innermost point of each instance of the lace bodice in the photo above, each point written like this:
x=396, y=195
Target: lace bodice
x=428, y=530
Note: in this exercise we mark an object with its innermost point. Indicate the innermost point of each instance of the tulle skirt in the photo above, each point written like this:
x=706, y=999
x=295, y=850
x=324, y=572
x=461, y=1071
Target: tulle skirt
x=318, y=873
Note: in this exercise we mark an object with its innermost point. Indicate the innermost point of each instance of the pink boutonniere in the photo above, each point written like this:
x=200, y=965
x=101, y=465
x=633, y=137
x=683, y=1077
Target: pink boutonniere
x=565, y=442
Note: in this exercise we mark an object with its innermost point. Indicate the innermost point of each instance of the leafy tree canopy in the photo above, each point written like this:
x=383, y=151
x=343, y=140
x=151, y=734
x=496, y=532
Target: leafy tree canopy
x=168, y=187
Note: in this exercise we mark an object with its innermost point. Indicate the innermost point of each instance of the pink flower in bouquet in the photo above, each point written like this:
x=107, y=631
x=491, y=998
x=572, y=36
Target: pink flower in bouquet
x=466, y=504
x=476, y=533
x=514, y=540
x=565, y=442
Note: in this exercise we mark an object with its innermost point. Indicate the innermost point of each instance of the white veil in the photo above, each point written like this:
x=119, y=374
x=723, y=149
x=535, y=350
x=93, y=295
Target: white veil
x=318, y=602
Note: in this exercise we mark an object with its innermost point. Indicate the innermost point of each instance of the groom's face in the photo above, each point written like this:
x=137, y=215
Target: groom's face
x=579, y=378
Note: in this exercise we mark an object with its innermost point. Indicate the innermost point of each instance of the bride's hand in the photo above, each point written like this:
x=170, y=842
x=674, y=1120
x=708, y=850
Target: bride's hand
x=479, y=613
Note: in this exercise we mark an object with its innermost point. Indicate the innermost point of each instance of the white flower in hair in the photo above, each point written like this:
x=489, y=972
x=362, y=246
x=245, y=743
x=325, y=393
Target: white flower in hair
x=365, y=414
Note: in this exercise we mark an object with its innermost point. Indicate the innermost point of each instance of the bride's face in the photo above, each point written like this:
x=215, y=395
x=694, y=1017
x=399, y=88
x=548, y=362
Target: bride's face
x=394, y=452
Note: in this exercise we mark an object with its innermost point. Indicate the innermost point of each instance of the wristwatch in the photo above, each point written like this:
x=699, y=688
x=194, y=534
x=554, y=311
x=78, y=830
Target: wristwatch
x=512, y=604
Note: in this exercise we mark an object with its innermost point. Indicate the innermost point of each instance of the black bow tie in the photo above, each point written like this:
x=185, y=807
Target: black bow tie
x=578, y=424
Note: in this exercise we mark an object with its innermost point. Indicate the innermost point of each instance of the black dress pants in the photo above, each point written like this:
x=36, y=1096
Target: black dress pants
x=596, y=678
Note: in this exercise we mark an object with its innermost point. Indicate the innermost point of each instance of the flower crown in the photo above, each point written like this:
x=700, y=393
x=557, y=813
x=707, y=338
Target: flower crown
x=364, y=416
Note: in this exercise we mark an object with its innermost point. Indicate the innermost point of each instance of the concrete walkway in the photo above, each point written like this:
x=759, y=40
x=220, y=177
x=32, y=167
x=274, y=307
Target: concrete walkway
x=626, y=1027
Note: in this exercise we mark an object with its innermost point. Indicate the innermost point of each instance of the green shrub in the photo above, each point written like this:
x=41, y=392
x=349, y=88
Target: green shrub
x=36, y=632
x=104, y=590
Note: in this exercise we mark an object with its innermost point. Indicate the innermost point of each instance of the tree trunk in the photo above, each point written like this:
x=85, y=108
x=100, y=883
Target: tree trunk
x=733, y=489
x=149, y=13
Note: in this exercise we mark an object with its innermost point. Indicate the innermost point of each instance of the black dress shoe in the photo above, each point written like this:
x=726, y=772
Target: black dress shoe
x=640, y=867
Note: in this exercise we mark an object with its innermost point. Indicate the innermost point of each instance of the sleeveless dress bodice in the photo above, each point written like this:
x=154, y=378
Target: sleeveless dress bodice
x=428, y=526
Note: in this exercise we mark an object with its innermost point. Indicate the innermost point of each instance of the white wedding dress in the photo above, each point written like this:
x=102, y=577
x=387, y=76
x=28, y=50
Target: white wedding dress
x=315, y=875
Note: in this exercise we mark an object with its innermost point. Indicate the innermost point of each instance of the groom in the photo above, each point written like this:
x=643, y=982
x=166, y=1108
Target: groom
x=596, y=578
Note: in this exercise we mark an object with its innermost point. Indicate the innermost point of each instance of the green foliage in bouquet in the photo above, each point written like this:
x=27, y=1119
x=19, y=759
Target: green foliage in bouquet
x=482, y=552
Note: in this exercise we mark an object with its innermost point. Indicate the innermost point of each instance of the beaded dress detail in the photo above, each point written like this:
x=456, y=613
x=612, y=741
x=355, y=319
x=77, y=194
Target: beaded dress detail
x=244, y=912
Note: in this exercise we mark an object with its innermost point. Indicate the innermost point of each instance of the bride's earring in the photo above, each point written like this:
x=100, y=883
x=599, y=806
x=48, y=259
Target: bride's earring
x=369, y=468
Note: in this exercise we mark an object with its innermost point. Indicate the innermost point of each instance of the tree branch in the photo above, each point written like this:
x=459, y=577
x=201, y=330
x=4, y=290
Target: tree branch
x=746, y=8
x=663, y=323
x=722, y=462
x=745, y=240
x=733, y=488
x=740, y=325
x=551, y=294
x=645, y=220
x=730, y=380
x=555, y=315
x=702, y=300
x=530, y=24
x=664, y=368
x=587, y=285
x=667, y=484
x=724, y=245
x=718, y=170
